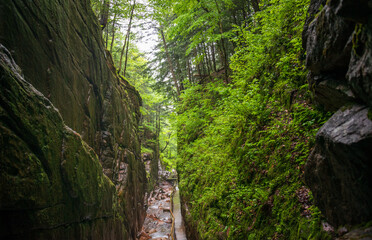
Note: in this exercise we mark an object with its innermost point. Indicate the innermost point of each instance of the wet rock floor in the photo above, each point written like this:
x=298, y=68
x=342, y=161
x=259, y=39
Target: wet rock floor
x=158, y=222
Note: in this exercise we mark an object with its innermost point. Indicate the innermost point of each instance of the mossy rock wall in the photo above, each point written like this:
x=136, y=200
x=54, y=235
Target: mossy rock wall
x=52, y=184
x=58, y=46
x=150, y=156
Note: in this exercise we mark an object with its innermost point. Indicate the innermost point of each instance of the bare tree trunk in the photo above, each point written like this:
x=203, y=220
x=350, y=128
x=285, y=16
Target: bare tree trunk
x=201, y=62
x=106, y=40
x=255, y=5
x=157, y=130
x=126, y=56
x=214, y=58
x=104, y=13
x=204, y=60
x=113, y=33
x=223, y=47
x=180, y=73
x=122, y=53
x=208, y=62
x=170, y=63
x=197, y=65
x=126, y=41
x=189, y=71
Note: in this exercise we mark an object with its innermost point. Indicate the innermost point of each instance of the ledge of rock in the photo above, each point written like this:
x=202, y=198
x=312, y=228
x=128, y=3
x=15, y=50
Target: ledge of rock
x=338, y=40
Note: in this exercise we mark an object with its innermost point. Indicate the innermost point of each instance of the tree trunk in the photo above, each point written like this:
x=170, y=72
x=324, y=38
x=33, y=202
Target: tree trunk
x=197, y=65
x=126, y=56
x=180, y=73
x=207, y=59
x=213, y=58
x=158, y=109
x=201, y=62
x=223, y=47
x=189, y=70
x=126, y=41
x=113, y=33
x=170, y=63
x=255, y=5
x=104, y=13
x=106, y=40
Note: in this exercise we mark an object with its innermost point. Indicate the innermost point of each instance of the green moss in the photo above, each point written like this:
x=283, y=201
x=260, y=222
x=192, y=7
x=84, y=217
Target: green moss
x=146, y=150
x=370, y=114
x=355, y=39
x=347, y=106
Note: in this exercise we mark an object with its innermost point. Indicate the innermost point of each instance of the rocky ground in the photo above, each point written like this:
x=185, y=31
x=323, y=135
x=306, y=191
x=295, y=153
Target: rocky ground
x=158, y=222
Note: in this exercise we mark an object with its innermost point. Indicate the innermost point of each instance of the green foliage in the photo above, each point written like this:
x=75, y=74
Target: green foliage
x=146, y=150
x=243, y=146
x=168, y=143
x=201, y=18
x=155, y=106
x=240, y=147
x=154, y=103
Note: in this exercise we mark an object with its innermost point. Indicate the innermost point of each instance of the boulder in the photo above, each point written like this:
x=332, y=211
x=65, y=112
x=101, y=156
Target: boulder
x=337, y=37
x=328, y=45
x=331, y=93
x=338, y=40
x=358, y=234
x=359, y=73
x=339, y=169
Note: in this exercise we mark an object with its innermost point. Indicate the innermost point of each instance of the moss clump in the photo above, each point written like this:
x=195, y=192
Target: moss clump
x=370, y=114
x=356, y=40
x=347, y=106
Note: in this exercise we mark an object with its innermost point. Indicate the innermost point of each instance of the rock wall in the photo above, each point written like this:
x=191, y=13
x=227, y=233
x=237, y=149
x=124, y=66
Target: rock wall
x=59, y=48
x=150, y=156
x=52, y=184
x=338, y=41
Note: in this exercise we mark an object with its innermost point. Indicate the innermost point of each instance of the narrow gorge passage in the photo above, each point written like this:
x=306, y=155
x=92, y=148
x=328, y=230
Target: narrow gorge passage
x=161, y=218
x=260, y=110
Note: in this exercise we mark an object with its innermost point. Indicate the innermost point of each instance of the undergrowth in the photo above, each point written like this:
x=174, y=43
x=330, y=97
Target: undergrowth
x=243, y=146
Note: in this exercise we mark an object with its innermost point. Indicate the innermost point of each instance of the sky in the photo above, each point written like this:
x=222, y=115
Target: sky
x=147, y=39
x=147, y=34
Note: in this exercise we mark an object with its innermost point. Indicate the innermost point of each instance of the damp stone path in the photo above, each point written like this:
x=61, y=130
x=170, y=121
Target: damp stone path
x=158, y=222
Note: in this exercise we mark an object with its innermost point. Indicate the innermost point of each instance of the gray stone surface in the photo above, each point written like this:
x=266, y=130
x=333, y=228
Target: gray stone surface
x=338, y=40
x=339, y=169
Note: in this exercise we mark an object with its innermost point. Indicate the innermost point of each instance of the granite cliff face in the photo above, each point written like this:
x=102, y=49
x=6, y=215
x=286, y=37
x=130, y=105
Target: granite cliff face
x=86, y=180
x=338, y=41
